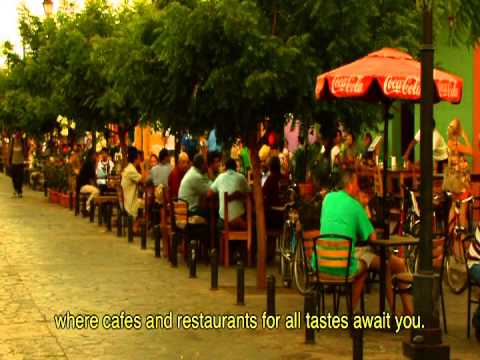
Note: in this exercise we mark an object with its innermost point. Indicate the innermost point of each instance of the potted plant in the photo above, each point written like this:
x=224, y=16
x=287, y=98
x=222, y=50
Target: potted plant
x=51, y=178
x=307, y=166
x=63, y=185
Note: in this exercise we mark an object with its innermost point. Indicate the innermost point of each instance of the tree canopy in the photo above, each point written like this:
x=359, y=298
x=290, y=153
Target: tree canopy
x=196, y=64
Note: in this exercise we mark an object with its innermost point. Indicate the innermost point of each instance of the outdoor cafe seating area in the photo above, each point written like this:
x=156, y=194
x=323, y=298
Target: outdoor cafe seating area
x=167, y=228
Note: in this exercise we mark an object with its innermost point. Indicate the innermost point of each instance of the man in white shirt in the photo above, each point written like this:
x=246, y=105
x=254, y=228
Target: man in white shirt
x=335, y=151
x=194, y=187
x=130, y=180
x=440, y=149
x=230, y=182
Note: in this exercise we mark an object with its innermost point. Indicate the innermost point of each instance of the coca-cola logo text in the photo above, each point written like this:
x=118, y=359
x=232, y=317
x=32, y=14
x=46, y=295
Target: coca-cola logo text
x=348, y=84
x=404, y=86
x=448, y=89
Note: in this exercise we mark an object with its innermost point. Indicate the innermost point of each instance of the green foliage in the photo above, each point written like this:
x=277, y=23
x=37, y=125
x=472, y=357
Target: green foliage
x=201, y=64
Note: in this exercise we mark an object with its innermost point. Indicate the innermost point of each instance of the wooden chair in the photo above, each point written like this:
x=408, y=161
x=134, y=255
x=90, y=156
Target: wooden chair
x=403, y=282
x=165, y=223
x=184, y=225
x=307, y=238
x=332, y=257
x=471, y=284
x=121, y=213
x=229, y=234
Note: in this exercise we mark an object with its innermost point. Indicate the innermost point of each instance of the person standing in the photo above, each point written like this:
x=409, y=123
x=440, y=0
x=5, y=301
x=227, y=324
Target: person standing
x=271, y=194
x=131, y=179
x=457, y=174
x=440, y=149
x=16, y=161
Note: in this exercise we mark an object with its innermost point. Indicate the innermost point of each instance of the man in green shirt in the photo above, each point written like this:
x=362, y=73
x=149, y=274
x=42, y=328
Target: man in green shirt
x=343, y=214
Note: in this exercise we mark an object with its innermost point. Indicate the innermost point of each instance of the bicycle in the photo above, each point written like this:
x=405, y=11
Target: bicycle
x=294, y=265
x=456, y=276
x=411, y=224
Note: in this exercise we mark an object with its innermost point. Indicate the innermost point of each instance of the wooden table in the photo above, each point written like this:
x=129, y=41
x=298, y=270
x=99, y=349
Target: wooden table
x=382, y=245
x=401, y=174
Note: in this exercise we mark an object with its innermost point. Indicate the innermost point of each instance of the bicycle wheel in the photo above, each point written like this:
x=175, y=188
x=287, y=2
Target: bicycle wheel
x=456, y=269
x=300, y=270
x=285, y=257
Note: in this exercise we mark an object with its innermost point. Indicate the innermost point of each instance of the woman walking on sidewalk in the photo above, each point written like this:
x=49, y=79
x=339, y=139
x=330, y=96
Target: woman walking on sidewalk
x=16, y=160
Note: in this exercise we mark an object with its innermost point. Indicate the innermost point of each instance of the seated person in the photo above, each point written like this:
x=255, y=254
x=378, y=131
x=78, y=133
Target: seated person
x=271, y=194
x=86, y=179
x=131, y=178
x=367, y=155
x=153, y=161
x=214, y=159
x=474, y=269
x=343, y=214
x=350, y=152
x=177, y=174
x=160, y=172
x=231, y=182
x=194, y=187
x=104, y=169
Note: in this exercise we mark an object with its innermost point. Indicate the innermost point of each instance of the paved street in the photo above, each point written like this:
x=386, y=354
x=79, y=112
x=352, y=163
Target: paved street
x=52, y=262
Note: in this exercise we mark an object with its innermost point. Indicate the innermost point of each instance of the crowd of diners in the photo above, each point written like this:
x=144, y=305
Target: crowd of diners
x=196, y=176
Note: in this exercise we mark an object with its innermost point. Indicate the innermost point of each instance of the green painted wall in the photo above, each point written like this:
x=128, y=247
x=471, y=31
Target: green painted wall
x=459, y=61
x=456, y=60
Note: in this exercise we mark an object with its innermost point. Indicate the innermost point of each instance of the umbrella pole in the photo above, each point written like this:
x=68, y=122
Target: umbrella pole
x=385, y=210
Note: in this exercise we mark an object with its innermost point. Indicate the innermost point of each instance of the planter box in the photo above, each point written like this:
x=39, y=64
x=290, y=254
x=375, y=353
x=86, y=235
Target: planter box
x=64, y=199
x=53, y=196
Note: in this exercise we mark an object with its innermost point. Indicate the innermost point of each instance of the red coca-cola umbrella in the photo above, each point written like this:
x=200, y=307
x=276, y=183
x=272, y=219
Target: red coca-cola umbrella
x=384, y=76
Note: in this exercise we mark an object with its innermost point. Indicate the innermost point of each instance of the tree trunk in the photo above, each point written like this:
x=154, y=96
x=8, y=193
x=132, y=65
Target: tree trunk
x=274, y=18
x=260, y=220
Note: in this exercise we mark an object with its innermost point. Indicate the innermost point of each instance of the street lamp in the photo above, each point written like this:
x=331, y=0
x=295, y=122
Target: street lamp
x=426, y=343
x=48, y=7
